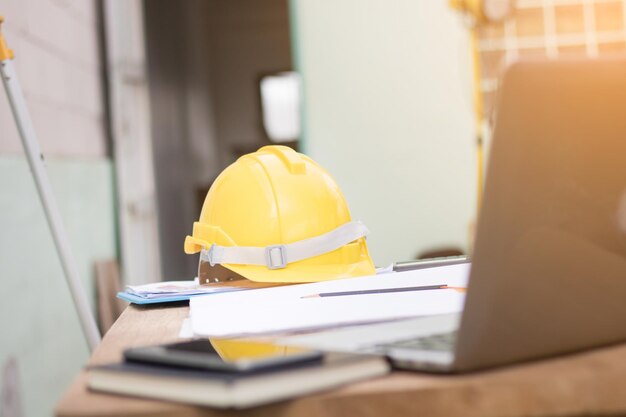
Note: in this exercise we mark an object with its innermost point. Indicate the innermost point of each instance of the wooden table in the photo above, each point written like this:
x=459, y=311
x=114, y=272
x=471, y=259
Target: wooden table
x=589, y=383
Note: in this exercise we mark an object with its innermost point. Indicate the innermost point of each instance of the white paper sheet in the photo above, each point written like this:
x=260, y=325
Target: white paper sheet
x=185, y=331
x=282, y=309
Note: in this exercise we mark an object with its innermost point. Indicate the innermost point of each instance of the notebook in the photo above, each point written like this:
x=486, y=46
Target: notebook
x=233, y=390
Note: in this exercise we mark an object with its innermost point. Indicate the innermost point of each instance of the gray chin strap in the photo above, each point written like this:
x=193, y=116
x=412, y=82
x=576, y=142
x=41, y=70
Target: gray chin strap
x=279, y=256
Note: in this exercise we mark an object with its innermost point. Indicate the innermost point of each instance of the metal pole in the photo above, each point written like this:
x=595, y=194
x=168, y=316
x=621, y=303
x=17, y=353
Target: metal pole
x=37, y=167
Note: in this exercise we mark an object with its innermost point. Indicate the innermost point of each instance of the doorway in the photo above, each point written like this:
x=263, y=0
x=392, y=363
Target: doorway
x=205, y=61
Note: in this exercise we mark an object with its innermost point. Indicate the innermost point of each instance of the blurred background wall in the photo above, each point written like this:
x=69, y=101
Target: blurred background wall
x=59, y=65
x=388, y=111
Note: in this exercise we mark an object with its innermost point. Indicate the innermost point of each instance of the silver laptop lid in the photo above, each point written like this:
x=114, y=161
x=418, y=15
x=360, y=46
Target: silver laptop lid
x=549, y=271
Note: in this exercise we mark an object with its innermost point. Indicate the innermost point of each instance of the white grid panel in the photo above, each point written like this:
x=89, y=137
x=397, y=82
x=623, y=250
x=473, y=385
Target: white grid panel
x=549, y=17
x=589, y=18
x=549, y=26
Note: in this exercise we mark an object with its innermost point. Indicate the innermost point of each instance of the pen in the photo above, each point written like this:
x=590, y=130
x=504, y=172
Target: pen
x=378, y=291
x=430, y=263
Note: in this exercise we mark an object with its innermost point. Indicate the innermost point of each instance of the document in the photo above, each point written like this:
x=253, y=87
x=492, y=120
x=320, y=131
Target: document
x=172, y=291
x=292, y=308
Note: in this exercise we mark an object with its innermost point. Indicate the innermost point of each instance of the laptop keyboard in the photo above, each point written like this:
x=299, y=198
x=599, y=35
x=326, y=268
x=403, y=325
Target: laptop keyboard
x=442, y=342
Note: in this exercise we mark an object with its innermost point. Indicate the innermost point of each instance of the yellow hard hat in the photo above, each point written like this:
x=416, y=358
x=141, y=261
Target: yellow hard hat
x=277, y=216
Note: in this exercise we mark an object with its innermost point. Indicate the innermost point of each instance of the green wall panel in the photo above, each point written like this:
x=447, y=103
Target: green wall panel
x=38, y=321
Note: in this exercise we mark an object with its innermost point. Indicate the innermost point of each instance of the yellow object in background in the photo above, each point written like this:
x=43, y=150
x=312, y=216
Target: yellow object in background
x=277, y=216
x=480, y=12
x=484, y=10
x=5, y=52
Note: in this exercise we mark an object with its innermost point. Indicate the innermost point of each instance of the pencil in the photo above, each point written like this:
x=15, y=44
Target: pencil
x=378, y=291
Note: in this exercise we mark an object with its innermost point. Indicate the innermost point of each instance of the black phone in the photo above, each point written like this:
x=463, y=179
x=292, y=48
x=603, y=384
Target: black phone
x=226, y=355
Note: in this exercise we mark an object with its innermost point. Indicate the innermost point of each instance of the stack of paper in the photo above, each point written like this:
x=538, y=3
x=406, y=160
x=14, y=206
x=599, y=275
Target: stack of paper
x=169, y=291
x=291, y=309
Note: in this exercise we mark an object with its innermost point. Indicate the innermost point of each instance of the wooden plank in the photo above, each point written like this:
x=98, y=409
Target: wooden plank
x=586, y=383
x=108, y=284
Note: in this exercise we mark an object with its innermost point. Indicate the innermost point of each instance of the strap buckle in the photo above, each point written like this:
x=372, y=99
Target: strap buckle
x=276, y=256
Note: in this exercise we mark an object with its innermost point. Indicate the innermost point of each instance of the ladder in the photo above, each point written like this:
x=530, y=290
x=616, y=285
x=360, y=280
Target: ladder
x=38, y=170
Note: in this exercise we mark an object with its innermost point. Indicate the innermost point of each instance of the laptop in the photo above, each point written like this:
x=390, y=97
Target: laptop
x=548, y=275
